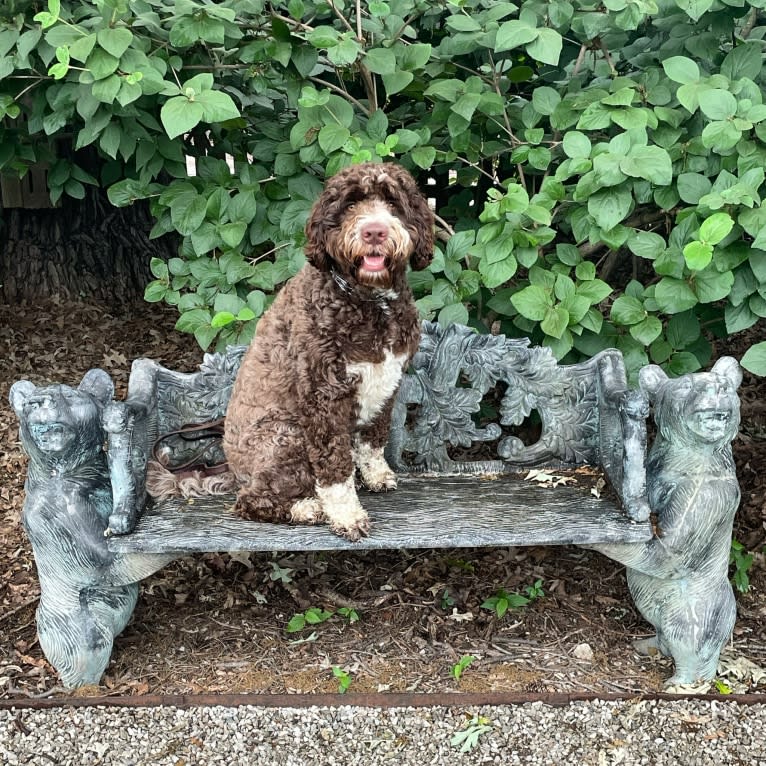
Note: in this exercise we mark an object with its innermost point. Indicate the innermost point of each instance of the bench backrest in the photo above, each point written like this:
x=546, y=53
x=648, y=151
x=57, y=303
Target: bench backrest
x=464, y=394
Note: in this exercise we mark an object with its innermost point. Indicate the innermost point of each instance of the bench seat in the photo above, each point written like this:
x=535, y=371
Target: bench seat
x=424, y=512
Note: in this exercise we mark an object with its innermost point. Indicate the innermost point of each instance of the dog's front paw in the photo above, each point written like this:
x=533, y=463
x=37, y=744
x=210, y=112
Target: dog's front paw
x=306, y=511
x=373, y=468
x=353, y=530
x=380, y=481
x=343, y=511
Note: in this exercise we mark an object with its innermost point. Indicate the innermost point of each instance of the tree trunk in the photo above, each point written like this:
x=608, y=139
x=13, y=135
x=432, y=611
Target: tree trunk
x=81, y=249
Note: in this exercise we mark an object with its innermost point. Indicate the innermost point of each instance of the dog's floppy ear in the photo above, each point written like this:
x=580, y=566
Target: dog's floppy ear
x=317, y=228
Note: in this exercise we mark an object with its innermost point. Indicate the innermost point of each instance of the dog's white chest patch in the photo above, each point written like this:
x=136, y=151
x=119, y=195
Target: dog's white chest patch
x=377, y=383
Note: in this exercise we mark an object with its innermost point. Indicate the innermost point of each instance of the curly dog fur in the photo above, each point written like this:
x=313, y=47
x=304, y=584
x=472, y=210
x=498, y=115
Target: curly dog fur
x=312, y=402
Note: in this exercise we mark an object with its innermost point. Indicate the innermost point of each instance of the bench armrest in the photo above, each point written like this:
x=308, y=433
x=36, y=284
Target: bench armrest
x=131, y=428
x=622, y=435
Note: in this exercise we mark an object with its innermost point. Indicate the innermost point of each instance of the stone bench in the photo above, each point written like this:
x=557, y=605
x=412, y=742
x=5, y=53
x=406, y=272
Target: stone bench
x=457, y=440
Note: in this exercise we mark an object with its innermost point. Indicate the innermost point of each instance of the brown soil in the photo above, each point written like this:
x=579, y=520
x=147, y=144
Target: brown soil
x=216, y=622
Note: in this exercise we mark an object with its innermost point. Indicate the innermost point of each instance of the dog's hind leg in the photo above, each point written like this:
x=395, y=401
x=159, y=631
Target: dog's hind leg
x=275, y=477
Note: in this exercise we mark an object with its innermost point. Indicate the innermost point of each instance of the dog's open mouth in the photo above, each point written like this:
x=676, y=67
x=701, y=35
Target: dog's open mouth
x=374, y=263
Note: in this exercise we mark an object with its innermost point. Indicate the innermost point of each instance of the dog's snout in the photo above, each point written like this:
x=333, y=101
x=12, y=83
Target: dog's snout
x=374, y=232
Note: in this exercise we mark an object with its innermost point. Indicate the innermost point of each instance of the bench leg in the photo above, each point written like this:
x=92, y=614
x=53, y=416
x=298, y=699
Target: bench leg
x=76, y=628
x=694, y=620
x=81, y=612
x=679, y=580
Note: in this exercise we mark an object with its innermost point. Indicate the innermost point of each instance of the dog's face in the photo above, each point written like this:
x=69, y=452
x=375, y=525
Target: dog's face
x=369, y=222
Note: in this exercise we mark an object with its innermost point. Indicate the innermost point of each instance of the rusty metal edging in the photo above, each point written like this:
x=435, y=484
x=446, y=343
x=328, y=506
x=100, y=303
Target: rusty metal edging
x=363, y=700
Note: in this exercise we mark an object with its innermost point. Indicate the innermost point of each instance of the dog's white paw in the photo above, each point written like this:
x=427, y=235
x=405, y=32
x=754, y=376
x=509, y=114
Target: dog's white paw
x=307, y=511
x=343, y=511
x=373, y=468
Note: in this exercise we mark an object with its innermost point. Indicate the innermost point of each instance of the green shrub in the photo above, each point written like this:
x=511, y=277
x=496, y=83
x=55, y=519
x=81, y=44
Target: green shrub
x=597, y=167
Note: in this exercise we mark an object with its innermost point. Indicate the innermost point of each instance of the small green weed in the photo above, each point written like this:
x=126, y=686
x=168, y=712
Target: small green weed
x=468, y=737
x=502, y=601
x=461, y=666
x=312, y=616
x=465, y=566
x=315, y=616
x=344, y=678
x=722, y=687
x=742, y=562
x=535, y=591
x=350, y=614
x=447, y=602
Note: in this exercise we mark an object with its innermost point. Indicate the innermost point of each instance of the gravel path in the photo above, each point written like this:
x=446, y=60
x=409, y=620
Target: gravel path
x=683, y=733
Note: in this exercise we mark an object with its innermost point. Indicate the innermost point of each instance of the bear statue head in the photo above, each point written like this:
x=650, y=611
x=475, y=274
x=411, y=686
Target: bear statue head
x=60, y=427
x=696, y=409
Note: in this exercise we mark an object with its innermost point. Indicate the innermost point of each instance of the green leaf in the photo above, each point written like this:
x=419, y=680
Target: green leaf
x=455, y=313
x=674, y=295
x=466, y=105
x=545, y=100
x=711, y=285
x=82, y=47
x=101, y=64
x=716, y=228
x=179, y=115
x=717, y=104
x=595, y=290
x=423, y=156
x=555, y=321
x=698, y=255
x=721, y=135
x=695, y=8
x=647, y=331
x=628, y=311
x=533, y=302
x=646, y=244
x=217, y=106
x=692, y=187
x=189, y=321
x=681, y=69
x=397, y=81
x=650, y=162
x=333, y=137
x=296, y=623
x=155, y=291
x=576, y=145
x=380, y=61
x=512, y=34
x=745, y=60
x=683, y=363
x=754, y=359
x=345, y=53
x=499, y=272
x=232, y=233
x=115, y=41
x=546, y=47
x=222, y=318
x=188, y=217
x=610, y=206
x=106, y=90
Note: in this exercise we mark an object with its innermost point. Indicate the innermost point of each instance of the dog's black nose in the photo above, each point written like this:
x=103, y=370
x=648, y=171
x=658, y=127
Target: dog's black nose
x=374, y=232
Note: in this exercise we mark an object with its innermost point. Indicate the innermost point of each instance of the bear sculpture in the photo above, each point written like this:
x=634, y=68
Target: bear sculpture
x=679, y=580
x=87, y=592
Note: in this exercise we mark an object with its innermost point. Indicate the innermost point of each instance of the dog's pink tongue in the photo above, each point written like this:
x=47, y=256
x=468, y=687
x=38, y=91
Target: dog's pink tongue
x=374, y=262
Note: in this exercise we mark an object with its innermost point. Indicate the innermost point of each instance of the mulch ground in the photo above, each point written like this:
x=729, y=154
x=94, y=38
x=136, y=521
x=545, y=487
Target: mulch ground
x=217, y=622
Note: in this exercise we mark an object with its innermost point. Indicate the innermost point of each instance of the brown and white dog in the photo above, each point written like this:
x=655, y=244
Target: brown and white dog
x=312, y=401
